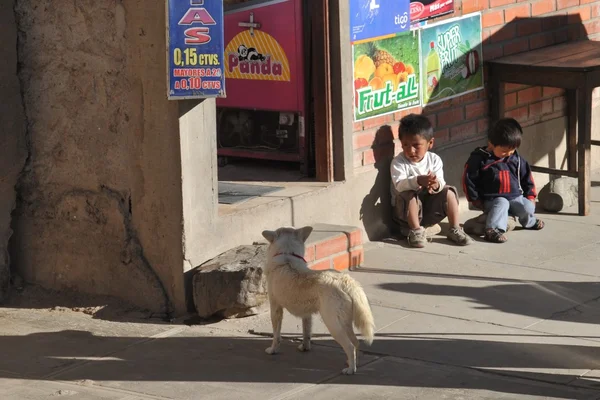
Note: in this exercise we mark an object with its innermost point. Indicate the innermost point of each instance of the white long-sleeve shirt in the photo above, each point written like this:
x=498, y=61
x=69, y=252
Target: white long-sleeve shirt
x=405, y=172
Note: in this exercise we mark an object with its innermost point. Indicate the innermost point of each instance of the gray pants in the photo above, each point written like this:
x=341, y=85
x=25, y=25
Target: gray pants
x=499, y=209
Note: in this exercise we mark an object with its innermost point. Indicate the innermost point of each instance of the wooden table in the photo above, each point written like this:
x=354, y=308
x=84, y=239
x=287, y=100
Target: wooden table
x=572, y=66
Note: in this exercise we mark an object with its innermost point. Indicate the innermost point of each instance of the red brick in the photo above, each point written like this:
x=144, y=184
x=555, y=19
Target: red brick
x=581, y=14
x=357, y=256
x=529, y=27
x=441, y=136
x=560, y=103
x=561, y=4
x=561, y=36
x=466, y=98
x=595, y=10
x=588, y=1
x=450, y=117
x=355, y=238
x=517, y=11
x=463, y=131
x=520, y=114
x=591, y=27
x=517, y=46
x=540, y=108
x=552, y=91
x=529, y=95
x=368, y=157
x=309, y=253
x=541, y=40
x=341, y=262
x=510, y=100
x=554, y=22
x=469, y=6
x=483, y=125
x=577, y=32
x=500, y=3
x=398, y=115
x=492, y=18
x=357, y=126
x=364, y=139
x=331, y=246
x=507, y=32
x=542, y=7
x=492, y=51
x=377, y=122
x=513, y=87
x=429, y=110
x=321, y=265
x=554, y=115
x=476, y=110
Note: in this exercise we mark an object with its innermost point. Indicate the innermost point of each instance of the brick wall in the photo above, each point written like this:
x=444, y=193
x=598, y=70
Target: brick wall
x=509, y=27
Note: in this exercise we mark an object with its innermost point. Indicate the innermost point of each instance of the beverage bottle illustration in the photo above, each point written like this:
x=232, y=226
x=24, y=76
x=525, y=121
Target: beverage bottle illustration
x=432, y=69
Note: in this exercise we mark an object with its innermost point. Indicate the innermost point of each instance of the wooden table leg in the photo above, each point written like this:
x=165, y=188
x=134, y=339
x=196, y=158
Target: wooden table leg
x=571, y=130
x=496, y=97
x=584, y=116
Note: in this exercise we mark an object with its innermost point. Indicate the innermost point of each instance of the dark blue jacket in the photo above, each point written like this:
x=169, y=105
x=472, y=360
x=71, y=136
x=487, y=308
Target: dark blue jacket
x=487, y=176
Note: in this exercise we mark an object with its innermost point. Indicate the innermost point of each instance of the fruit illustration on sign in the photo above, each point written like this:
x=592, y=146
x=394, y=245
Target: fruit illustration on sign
x=364, y=67
x=359, y=83
x=471, y=64
x=433, y=69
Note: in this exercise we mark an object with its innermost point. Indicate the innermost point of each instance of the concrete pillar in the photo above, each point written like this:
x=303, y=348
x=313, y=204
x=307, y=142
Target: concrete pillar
x=109, y=192
x=12, y=135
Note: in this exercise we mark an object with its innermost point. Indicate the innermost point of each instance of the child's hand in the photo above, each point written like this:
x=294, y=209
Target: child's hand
x=478, y=204
x=433, y=183
x=423, y=180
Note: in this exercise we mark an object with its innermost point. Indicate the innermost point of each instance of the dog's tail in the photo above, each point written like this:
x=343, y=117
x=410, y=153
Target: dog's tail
x=361, y=310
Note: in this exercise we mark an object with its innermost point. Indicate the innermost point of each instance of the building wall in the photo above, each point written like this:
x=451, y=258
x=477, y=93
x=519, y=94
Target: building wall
x=509, y=27
x=100, y=207
x=12, y=135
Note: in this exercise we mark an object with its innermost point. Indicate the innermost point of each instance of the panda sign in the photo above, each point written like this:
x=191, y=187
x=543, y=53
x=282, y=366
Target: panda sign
x=195, y=47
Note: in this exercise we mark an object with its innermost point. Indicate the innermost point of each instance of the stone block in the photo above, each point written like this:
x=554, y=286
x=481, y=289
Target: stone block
x=233, y=284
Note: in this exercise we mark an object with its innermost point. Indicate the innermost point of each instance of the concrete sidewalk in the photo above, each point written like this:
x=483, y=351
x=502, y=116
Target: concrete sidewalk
x=514, y=321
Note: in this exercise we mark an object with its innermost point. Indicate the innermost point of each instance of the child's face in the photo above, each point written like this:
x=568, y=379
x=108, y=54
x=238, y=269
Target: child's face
x=415, y=147
x=501, y=151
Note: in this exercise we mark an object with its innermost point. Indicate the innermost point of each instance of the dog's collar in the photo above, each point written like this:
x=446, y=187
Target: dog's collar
x=290, y=254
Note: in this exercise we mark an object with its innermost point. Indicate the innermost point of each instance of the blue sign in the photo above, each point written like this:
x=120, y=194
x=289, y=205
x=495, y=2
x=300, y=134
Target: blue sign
x=195, y=47
x=371, y=19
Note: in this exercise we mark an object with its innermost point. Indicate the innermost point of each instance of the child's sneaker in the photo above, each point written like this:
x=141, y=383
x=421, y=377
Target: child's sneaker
x=458, y=236
x=417, y=238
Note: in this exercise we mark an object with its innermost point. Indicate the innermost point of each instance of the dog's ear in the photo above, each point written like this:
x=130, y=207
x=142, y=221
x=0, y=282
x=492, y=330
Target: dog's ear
x=269, y=235
x=304, y=233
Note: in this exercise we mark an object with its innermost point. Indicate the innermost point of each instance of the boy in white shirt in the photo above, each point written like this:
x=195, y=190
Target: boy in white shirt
x=420, y=196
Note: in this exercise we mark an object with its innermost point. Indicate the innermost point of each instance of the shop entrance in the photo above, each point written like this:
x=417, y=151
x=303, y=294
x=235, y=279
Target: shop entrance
x=266, y=126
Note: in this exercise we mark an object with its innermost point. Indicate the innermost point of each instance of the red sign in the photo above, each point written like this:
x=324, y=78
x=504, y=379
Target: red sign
x=426, y=9
x=264, y=57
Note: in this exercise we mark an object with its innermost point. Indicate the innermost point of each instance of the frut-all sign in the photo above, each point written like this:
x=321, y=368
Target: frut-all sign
x=195, y=49
x=386, y=75
x=426, y=9
x=256, y=56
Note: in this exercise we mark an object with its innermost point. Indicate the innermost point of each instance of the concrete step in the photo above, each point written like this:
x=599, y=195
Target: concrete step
x=336, y=247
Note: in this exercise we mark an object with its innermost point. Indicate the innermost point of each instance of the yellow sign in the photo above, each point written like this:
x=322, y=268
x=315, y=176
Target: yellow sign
x=258, y=57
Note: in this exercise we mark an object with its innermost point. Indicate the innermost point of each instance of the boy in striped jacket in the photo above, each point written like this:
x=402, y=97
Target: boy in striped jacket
x=498, y=180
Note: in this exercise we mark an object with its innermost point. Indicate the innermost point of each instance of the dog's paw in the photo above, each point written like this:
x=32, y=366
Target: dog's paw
x=271, y=350
x=349, y=371
x=304, y=347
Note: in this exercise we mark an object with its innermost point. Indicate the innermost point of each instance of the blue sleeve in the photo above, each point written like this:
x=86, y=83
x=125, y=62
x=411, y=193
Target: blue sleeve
x=470, y=179
x=527, y=182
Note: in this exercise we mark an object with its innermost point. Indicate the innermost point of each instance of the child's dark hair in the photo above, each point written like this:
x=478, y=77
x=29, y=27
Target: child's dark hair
x=415, y=124
x=506, y=132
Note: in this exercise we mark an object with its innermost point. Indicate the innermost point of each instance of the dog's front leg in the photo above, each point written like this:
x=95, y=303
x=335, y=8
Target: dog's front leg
x=276, y=319
x=306, y=332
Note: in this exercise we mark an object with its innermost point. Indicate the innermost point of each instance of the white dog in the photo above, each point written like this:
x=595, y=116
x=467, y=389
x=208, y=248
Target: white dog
x=339, y=299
